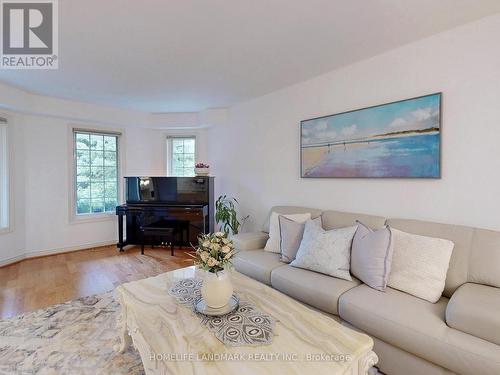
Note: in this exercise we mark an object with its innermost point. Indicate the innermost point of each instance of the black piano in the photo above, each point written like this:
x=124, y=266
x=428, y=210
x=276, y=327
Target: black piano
x=177, y=202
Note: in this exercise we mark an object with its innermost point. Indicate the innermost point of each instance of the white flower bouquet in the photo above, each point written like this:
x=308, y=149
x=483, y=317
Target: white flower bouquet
x=214, y=252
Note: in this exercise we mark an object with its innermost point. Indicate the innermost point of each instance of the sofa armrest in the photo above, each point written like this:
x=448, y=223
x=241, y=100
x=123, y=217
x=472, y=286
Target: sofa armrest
x=473, y=309
x=250, y=241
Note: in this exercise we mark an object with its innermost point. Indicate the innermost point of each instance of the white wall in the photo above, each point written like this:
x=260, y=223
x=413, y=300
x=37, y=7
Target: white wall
x=12, y=243
x=39, y=136
x=254, y=152
x=256, y=155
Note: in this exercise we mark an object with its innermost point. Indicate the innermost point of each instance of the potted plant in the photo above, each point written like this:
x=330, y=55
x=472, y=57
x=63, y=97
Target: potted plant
x=213, y=253
x=226, y=215
x=201, y=169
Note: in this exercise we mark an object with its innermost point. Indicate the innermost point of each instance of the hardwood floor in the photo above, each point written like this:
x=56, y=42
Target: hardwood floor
x=40, y=282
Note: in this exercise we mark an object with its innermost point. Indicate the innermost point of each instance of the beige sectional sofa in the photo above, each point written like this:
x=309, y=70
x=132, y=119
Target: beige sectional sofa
x=460, y=334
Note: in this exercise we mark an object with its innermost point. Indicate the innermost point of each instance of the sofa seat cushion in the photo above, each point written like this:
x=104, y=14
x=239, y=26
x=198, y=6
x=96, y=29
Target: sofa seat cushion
x=475, y=309
x=418, y=327
x=257, y=264
x=315, y=289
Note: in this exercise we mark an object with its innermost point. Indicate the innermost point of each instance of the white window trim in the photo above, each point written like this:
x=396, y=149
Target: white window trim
x=8, y=174
x=101, y=216
x=168, y=150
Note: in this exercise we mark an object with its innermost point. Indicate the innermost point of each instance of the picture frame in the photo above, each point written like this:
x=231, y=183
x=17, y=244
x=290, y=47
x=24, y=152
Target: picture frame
x=400, y=139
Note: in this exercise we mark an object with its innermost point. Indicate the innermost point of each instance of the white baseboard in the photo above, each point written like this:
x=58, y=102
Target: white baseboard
x=6, y=262
x=59, y=250
x=34, y=254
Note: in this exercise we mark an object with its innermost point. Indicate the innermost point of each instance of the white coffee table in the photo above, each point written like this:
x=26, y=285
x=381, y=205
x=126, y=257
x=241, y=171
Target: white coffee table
x=171, y=340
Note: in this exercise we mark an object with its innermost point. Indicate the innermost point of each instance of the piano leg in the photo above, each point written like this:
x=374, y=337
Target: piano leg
x=142, y=241
x=120, y=243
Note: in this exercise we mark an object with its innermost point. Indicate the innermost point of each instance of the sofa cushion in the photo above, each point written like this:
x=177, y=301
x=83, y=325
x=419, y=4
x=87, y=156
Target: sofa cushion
x=418, y=327
x=395, y=361
x=484, y=263
x=257, y=264
x=462, y=238
x=250, y=240
x=286, y=210
x=315, y=289
x=338, y=219
x=475, y=309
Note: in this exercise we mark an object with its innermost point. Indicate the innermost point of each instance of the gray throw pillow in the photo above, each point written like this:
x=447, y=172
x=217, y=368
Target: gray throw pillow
x=291, y=233
x=324, y=251
x=371, y=256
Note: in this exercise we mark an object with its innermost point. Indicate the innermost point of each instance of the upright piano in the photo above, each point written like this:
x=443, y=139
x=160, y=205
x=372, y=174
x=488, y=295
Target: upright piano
x=180, y=201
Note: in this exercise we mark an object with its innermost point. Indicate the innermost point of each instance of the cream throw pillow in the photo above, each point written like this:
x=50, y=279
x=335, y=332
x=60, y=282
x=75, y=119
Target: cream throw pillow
x=324, y=251
x=419, y=264
x=273, y=243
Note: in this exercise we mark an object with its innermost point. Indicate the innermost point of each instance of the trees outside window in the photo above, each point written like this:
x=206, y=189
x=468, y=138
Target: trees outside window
x=96, y=172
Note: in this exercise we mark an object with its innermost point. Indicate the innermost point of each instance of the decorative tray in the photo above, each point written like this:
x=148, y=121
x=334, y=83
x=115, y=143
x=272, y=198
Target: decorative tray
x=201, y=307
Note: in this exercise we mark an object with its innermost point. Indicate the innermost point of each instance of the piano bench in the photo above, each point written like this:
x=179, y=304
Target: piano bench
x=168, y=233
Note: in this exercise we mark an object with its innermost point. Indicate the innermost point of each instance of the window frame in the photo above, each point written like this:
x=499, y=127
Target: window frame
x=75, y=218
x=169, y=150
x=6, y=172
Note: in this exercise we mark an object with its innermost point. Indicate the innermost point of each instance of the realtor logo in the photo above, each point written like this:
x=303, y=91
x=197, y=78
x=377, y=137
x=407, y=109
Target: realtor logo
x=29, y=34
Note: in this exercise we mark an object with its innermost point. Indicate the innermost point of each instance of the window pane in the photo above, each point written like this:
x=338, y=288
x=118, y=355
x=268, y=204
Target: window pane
x=82, y=174
x=110, y=173
x=97, y=189
x=189, y=146
x=83, y=206
x=4, y=176
x=110, y=190
x=110, y=158
x=178, y=158
x=97, y=158
x=83, y=190
x=83, y=141
x=110, y=205
x=96, y=172
x=82, y=158
x=182, y=156
x=96, y=142
x=188, y=160
x=110, y=143
x=178, y=146
x=97, y=205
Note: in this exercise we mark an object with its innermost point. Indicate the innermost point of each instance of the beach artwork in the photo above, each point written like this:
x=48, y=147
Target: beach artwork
x=398, y=140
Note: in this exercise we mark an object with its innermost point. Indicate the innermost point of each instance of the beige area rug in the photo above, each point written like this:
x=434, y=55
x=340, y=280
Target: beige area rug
x=73, y=338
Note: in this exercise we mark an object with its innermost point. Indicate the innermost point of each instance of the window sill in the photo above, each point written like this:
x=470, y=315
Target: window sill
x=6, y=230
x=91, y=218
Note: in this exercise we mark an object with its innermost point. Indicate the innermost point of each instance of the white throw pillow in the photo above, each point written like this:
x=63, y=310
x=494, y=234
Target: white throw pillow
x=324, y=251
x=419, y=264
x=273, y=243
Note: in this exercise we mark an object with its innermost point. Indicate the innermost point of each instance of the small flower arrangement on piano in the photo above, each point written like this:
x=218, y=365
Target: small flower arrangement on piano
x=201, y=169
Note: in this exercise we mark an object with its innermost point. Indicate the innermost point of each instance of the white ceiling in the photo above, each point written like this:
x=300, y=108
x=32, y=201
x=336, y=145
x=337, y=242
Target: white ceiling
x=188, y=55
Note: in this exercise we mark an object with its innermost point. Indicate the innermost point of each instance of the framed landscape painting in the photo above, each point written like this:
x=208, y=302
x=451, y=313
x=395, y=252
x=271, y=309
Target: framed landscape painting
x=394, y=140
